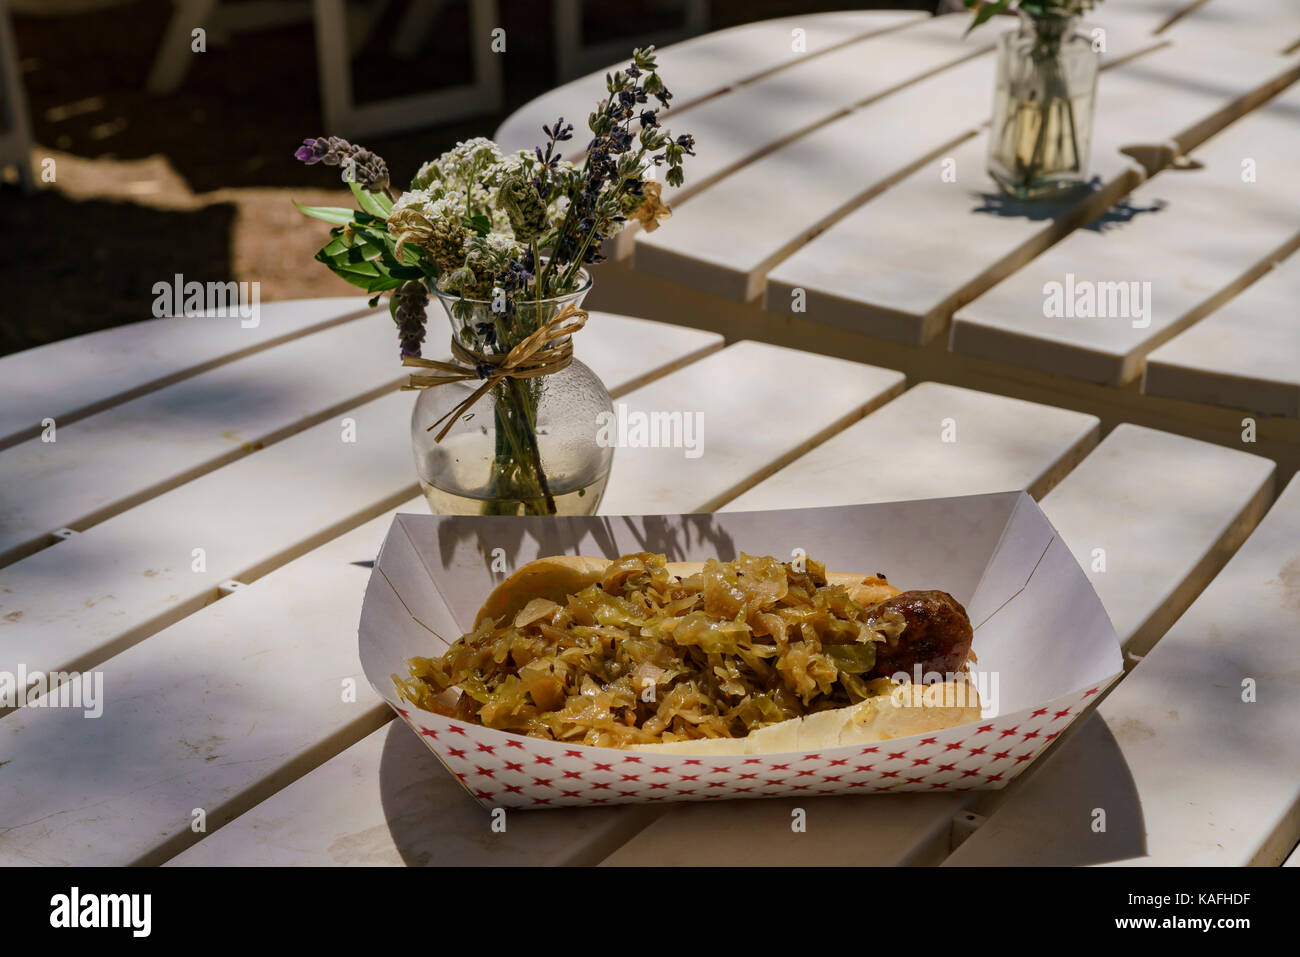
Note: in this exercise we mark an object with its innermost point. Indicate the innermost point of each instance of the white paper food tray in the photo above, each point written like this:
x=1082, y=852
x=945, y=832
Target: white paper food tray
x=1044, y=642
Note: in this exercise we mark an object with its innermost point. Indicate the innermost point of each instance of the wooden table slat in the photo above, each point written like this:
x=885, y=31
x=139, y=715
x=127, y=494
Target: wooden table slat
x=934, y=441
x=1264, y=26
x=1242, y=355
x=746, y=434
x=1166, y=511
x=726, y=238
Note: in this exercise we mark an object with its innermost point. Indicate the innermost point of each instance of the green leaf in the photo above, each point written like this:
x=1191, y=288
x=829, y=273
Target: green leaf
x=986, y=11
x=370, y=281
x=480, y=225
x=360, y=268
x=331, y=214
x=335, y=246
x=367, y=246
x=376, y=204
x=382, y=284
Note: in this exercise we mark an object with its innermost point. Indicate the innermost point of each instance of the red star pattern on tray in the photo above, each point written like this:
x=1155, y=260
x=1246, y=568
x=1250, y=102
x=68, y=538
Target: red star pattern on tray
x=504, y=770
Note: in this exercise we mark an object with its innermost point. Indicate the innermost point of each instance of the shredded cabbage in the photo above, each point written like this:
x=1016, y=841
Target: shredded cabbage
x=644, y=657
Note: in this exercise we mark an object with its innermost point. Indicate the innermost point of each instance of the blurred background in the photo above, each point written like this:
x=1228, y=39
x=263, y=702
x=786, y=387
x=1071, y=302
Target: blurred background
x=151, y=158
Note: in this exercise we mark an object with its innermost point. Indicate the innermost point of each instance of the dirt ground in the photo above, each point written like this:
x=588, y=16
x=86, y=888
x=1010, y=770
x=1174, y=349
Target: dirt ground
x=199, y=182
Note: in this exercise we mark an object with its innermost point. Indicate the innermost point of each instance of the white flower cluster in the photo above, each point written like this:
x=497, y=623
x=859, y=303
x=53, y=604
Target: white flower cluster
x=460, y=167
x=467, y=181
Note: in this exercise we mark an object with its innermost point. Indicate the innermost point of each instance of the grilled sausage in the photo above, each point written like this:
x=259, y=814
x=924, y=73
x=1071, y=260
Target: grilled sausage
x=937, y=636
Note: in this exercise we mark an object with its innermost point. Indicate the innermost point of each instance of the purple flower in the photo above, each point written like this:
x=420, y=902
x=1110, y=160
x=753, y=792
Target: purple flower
x=313, y=151
x=409, y=302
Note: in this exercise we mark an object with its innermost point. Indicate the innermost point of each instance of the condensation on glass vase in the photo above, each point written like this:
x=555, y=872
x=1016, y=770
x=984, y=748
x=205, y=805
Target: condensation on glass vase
x=527, y=447
x=1042, y=108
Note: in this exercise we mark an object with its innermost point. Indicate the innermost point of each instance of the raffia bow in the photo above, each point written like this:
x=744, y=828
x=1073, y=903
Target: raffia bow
x=521, y=362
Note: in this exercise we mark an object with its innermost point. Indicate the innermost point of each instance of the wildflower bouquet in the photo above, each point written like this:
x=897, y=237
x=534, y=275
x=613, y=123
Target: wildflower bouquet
x=501, y=238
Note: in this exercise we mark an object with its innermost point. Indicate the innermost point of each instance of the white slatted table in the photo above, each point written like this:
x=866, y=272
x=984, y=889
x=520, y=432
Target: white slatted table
x=840, y=204
x=233, y=702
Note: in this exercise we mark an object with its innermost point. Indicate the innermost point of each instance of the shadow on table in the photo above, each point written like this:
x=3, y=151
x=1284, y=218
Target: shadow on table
x=69, y=267
x=434, y=821
x=1046, y=210
x=609, y=535
x=1081, y=786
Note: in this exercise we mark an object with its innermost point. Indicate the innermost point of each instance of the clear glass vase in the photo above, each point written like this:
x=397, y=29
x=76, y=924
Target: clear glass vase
x=529, y=445
x=1042, y=107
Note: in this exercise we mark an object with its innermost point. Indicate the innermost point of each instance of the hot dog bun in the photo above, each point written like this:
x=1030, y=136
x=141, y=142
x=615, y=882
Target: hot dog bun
x=906, y=710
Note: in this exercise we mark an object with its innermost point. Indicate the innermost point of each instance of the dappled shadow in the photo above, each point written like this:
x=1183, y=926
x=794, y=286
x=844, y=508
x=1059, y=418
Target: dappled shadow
x=433, y=820
x=1123, y=213
x=69, y=267
x=1050, y=209
x=609, y=536
x=1085, y=807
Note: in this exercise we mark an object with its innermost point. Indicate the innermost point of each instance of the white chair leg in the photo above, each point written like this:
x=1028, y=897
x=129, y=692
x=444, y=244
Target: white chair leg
x=568, y=37
x=173, y=60
x=16, y=139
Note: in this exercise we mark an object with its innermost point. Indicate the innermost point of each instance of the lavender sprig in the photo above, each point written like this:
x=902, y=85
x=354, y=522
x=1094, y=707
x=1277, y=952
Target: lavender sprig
x=612, y=176
x=367, y=169
x=408, y=307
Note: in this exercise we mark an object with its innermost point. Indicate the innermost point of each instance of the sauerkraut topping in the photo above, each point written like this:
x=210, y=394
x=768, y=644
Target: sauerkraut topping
x=644, y=657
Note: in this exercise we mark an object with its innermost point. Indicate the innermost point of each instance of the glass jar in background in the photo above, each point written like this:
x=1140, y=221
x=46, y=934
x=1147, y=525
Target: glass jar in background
x=1042, y=107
